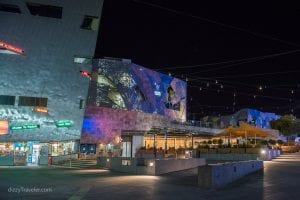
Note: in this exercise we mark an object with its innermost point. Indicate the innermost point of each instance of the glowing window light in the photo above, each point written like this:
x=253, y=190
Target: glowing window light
x=11, y=48
x=60, y=124
x=3, y=127
x=41, y=110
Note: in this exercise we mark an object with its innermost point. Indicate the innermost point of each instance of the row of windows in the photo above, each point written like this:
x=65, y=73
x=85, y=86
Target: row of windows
x=23, y=101
x=89, y=22
x=30, y=101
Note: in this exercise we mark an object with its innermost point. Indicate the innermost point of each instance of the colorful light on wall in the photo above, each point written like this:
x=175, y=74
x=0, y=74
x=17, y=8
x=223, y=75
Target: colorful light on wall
x=3, y=127
x=11, y=48
x=25, y=127
x=66, y=124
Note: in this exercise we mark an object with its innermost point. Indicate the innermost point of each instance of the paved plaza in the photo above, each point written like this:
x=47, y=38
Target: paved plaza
x=279, y=180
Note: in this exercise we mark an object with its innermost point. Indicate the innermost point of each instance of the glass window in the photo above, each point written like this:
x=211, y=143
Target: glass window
x=90, y=23
x=44, y=10
x=33, y=101
x=7, y=100
x=9, y=8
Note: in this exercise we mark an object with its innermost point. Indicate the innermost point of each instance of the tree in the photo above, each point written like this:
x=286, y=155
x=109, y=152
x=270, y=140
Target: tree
x=272, y=142
x=215, y=141
x=287, y=125
x=220, y=141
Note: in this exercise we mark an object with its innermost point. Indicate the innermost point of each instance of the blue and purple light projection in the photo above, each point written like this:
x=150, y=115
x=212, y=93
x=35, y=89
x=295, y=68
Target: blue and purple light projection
x=261, y=119
x=124, y=85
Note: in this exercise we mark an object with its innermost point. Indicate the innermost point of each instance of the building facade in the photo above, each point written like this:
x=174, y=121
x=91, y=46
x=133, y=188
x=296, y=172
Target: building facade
x=44, y=45
x=251, y=116
x=127, y=98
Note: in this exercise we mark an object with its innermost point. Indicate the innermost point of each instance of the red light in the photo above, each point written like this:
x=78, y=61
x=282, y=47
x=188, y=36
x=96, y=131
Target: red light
x=11, y=48
x=85, y=73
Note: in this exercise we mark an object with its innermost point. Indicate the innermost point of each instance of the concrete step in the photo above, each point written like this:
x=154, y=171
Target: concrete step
x=80, y=163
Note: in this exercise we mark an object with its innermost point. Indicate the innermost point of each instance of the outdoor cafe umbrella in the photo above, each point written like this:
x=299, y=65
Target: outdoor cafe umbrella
x=245, y=130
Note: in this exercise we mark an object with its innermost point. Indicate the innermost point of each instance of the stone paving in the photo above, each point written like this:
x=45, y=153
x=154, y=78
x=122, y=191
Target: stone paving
x=280, y=179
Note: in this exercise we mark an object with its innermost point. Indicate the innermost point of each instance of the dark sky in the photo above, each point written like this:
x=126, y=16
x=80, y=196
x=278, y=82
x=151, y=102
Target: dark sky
x=181, y=37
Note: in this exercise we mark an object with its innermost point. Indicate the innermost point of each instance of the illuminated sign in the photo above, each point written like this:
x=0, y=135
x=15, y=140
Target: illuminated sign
x=3, y=127
x=41, y=110
x=60, y=124
x=11, y=48
x=24, y=127
x=157, y=93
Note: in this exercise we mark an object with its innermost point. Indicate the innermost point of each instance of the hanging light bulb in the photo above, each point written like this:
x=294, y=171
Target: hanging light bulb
x=207, y=84
x=254, y=96
x=216, y=81
x=292, y=91
x=170, y=74
x=260, y=88
x=186, y=79
x=234, y=94
x=221, y=86
x=200, y=88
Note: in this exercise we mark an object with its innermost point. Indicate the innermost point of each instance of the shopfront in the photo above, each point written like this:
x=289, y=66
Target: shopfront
x=34, y=153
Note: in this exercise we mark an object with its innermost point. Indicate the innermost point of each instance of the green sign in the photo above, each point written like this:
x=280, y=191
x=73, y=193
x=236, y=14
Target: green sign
x=25, y=127
x=60, y=124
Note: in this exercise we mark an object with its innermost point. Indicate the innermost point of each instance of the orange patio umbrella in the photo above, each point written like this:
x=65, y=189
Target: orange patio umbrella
x=245, y=130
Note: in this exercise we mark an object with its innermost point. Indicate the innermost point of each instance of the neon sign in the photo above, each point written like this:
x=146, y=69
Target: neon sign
x=3, y=127
x=60, y=124
x=11, y=48
x=24, y=127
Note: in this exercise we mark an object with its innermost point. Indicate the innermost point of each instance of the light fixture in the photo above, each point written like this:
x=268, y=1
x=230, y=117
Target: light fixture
x=263, y=151
x=9, y=49
x=40, y=110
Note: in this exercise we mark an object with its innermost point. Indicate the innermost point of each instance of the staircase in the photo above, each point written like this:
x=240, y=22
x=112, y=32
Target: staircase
x=84, y=164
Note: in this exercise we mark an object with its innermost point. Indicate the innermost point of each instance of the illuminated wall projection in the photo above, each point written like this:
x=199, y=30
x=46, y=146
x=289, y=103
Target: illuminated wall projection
x=121, y=84
x=261, y=119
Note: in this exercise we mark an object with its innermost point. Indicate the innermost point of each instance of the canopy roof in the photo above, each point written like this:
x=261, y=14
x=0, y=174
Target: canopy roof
x=246, y=130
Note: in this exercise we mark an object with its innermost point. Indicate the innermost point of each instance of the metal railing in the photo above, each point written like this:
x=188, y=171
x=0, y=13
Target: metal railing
x=196, y=123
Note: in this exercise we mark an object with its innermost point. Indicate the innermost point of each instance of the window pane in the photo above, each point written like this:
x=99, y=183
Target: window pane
x=32, y=101
x=90, y=23
x=44, y=10
x=10, y=8
x=7, y=100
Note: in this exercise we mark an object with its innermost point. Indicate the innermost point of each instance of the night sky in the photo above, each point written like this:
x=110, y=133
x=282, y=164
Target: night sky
x=210, y=44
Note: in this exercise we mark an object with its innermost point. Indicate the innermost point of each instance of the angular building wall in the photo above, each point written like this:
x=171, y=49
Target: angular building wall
x=251, y=116
x=51, y=33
